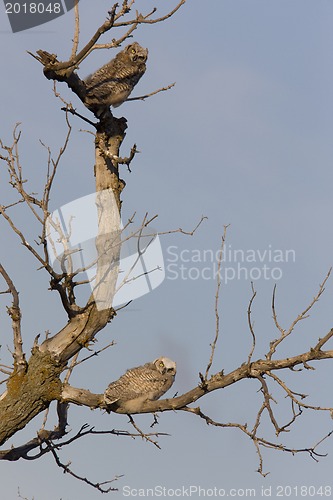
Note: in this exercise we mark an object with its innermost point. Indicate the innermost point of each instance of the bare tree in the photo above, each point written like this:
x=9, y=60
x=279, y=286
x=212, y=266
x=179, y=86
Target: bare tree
x=35, y=381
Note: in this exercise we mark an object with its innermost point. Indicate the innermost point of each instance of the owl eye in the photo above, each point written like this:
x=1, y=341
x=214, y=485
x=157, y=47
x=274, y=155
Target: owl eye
x=161, y=364
x=133, y=51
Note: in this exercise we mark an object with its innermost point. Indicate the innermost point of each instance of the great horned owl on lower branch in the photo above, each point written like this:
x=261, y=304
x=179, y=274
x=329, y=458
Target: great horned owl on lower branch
x=143, y=383
x=112, y=83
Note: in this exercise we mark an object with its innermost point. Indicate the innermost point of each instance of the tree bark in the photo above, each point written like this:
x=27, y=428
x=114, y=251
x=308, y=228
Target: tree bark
x=29, y=393
x=32, y=391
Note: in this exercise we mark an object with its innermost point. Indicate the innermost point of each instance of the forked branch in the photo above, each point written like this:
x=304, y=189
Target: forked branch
x=14, y=312
x=303, y=315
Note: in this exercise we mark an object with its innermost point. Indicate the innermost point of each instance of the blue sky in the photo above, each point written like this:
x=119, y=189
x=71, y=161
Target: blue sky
x=244, y=138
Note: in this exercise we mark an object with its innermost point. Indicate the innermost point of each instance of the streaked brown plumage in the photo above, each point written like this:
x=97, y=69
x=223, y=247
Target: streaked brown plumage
x=112, y=84
x=143, y=383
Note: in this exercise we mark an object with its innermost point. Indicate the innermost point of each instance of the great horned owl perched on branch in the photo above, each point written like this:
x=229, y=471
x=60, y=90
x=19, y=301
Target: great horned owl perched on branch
x=143, y=383
x=112, y=84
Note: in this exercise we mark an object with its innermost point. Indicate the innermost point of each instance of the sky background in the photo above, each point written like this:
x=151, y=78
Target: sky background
x=244, y=138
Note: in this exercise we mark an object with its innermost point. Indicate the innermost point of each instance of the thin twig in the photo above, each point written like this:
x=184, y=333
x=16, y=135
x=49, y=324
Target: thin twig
x=72, y=111
x=258, y=441
x=143, y=97
x=140, y=19
x=95, y=353
x=71, y=368
x=249, y=320
x=292, y=395
x=99, y=486
x=144, y=435
x=303, y=315
x=188, y=233
x=15, y=313
x=321, y=342
x=216, y=305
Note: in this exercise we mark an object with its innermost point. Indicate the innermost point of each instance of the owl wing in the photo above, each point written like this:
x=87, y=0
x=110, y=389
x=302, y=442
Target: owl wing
x=153, y=383
x=123, y=388
x=101, y=84
x=112, y=84
x=138, y=382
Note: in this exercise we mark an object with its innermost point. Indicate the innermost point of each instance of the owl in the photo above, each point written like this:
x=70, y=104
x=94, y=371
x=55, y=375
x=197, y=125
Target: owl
x=112, y=84
x=143, y=383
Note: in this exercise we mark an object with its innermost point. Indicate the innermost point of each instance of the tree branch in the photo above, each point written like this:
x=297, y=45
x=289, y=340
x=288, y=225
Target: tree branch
x=143, y=97
x=20, y=364
x=217, y=381
x=76, y=30
x=216, y=306
x=303, y=315
x=254, y=293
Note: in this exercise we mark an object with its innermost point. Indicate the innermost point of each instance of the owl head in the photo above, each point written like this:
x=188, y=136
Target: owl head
x=136, y=53
x=165, y=365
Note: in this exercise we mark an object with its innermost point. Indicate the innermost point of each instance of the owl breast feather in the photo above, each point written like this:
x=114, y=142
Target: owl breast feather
x=111, y=86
